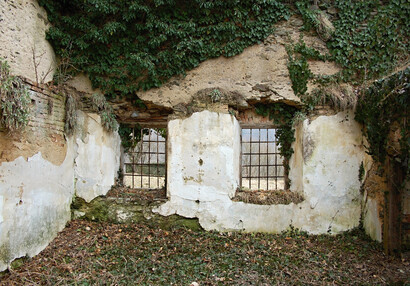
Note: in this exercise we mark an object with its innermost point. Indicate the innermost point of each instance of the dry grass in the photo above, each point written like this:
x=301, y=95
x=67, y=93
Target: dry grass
x=338, y=96
x=267, y=197
x=137, y=195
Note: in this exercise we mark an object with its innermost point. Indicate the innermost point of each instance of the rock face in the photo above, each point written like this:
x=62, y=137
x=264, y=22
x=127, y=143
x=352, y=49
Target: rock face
x=203, y=174
x=22, y=36
x=258, y=74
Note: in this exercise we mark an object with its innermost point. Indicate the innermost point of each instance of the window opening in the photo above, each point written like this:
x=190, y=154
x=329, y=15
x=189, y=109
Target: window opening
x=145, y=165
x=262, y=165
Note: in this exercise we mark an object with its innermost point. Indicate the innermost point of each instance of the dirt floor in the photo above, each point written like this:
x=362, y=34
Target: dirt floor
x=88, y=253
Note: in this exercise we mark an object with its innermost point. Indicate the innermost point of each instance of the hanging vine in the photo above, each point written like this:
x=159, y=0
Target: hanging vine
x=283, y=117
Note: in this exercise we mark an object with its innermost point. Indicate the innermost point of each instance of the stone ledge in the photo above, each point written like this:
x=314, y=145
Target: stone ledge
x=127, y=210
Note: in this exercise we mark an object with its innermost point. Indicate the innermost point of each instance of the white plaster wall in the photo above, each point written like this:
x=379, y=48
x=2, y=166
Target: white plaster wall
x=35, y=198
x=202, y=163
x=371, y=220
x=35, y=194
x=333, y=151
x=98, y=157
x=296, y=161
x=22, y=32
x=329, y=154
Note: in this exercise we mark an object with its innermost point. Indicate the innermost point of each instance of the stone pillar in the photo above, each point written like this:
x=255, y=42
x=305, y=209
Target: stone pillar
x=203, y=162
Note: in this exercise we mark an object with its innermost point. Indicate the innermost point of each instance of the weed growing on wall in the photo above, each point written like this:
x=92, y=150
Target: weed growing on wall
x=104, y=109
x=215, y=95
x=14, y=100
x=71, y=107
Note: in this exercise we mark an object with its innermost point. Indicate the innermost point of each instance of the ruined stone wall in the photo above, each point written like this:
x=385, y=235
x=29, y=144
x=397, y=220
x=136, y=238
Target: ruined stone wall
x=44, y=132
x=41, y=170
x=36, y=179
x=203, y=162
x=98, y=157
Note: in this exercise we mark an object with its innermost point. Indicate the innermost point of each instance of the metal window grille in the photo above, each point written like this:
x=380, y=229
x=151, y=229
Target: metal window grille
x=262, y=165
x=145, y=166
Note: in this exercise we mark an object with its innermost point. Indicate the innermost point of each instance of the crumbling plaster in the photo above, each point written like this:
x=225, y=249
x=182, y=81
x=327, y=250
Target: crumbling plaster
x=327, y=177
x=98, y=157
x=35, y=198
x=40, y=170
x=35, y=194
x=202, y=162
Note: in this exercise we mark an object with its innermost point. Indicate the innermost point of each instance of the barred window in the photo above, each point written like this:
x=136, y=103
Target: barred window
x=262, y=165
x=145, y=165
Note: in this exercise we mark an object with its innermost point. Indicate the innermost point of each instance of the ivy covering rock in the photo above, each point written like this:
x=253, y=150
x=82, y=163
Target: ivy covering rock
x=127, y=46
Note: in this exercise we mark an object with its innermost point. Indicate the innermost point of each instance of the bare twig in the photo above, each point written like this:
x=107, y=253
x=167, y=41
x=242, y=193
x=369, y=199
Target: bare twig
x=36, y=63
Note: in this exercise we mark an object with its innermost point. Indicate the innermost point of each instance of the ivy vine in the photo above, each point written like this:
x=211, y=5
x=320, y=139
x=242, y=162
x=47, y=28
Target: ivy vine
x=125, y=46
x=371, y=36
x=299, y=71
x=130, y=136
x=283, y=117
x=382, y=104
x=309, y=16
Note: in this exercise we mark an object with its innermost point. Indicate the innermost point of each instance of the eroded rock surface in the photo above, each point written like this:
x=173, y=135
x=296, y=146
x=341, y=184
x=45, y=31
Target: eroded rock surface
x=23, y=43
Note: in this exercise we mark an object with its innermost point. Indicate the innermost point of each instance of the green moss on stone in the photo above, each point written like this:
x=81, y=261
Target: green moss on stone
x=130, y=211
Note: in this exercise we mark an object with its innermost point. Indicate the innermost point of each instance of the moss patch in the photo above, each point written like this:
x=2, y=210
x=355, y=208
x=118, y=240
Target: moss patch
x=132, y=207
